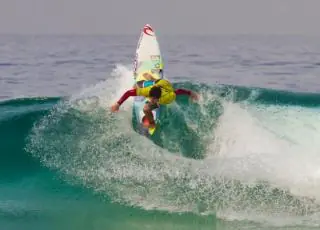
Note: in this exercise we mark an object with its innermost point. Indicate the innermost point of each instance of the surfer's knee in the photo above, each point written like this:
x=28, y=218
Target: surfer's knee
x=146, y=108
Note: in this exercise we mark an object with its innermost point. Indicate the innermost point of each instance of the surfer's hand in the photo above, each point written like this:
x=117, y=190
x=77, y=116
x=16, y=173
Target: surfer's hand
x=115, y=107
x=194, y=96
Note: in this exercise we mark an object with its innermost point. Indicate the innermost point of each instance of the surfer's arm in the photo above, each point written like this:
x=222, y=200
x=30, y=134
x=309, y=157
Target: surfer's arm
x=183, y=92
x=191, y=94
x=129, y=93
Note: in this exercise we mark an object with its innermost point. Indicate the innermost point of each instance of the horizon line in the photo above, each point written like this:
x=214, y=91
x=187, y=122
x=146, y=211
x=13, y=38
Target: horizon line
x=157, y=33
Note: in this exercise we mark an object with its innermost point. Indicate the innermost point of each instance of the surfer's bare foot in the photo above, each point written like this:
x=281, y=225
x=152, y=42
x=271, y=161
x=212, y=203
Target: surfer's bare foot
x=148, y=122
x=115, y=107
x=149, y=125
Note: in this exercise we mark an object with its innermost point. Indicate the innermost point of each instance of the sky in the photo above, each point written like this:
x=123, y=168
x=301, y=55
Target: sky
x=166, y=16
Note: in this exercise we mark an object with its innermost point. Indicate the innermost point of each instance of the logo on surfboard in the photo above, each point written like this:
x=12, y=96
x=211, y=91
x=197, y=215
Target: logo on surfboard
x=155, y=57
x=148, y=30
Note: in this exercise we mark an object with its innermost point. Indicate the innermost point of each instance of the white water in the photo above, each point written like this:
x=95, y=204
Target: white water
x=251, y=144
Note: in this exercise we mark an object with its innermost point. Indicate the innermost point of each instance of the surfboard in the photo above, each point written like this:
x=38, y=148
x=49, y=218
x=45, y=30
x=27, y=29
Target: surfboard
x=148, y=58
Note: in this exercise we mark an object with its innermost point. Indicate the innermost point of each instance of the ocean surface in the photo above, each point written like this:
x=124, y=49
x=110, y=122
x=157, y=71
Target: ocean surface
x=245, y=156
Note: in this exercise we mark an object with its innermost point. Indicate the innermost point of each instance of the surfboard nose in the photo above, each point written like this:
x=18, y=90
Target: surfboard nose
x=148, y=30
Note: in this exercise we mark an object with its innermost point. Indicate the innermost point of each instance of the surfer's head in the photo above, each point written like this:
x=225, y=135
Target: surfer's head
x=155, y=92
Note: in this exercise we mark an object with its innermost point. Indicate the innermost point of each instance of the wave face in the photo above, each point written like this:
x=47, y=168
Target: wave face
x=239, y=153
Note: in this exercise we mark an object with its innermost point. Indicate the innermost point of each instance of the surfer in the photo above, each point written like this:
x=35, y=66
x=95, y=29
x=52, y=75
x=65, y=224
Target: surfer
x=158, y=91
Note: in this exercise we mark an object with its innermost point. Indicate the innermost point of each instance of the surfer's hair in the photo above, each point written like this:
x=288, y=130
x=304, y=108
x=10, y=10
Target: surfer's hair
x=155, y=92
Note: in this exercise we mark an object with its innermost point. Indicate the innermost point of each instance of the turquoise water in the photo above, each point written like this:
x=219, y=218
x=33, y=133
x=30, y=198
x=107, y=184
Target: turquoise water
x=243, y=157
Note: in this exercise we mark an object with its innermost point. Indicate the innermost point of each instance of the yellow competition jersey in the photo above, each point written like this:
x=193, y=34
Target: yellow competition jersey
x=167, y=91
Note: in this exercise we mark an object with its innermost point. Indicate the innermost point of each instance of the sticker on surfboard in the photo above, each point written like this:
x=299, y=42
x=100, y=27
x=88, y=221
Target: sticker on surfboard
x=147, y=29
x=148, y=55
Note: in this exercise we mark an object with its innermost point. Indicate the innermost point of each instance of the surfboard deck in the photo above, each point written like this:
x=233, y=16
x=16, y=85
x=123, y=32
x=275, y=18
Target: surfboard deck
x=148, y=58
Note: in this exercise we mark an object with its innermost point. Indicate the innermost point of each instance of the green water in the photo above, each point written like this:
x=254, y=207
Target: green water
x=64, y=166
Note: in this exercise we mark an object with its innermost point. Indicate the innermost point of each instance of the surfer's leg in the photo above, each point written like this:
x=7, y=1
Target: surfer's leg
x=147, y=109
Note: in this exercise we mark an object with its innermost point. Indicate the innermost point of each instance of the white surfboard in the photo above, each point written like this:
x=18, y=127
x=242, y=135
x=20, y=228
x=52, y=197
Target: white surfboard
x=148, y=58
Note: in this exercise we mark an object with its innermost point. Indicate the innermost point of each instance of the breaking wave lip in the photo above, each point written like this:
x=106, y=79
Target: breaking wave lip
x=244, y=172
